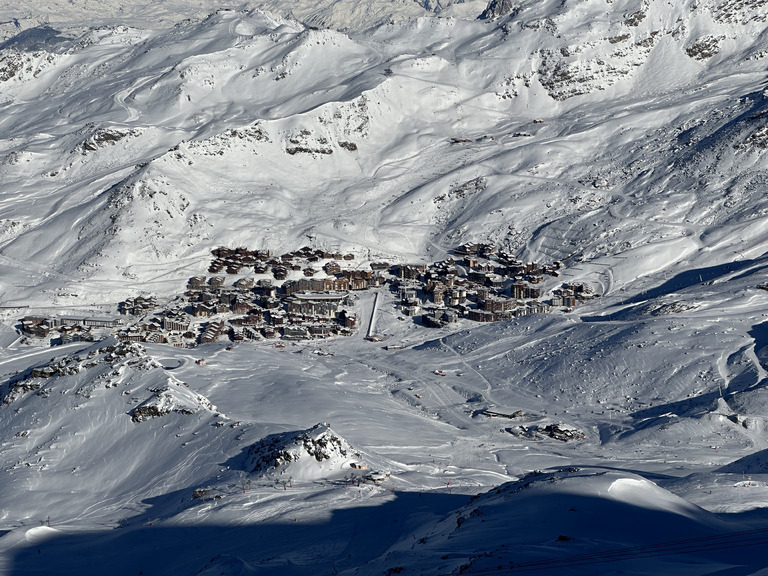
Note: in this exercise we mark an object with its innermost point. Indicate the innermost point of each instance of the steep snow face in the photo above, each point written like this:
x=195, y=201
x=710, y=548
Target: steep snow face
x=582, y=131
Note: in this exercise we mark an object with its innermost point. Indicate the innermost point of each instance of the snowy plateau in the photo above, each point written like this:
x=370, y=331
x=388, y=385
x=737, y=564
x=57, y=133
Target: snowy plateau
x=626, y=140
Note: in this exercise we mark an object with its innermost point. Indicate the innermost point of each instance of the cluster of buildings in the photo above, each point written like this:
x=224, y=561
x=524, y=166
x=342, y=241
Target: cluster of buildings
x=308, y=294
x=480, y=283
x=66, y=329
x=299, y=295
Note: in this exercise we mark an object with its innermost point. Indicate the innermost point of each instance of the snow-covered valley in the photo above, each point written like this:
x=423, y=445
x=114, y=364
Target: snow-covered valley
x=625, y=140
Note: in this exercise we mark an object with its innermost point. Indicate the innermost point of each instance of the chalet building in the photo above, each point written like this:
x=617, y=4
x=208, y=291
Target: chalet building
x=76, y=336
x=292, y=287
x=408, y=294
x=177, y=323
x=202, y=310
x=358, y=284
x=438, y=293
x=488, y=250
x=253, y=318
x=152, y=326
x=244, y=284
x=269, y=291
x=348, y=319
x=495, y=281
x=212, y=332
x=456, y=296
x=91, y=321
x=216, y=266
x=137, y=306
x=269, y=332
x=280, y=272
x=312, y=307
x=410, y=271
x=35, y=326
x=467, y=250
x=251, y=333
x=498, y=304
x=481, y=316
x=227, y=298
x=477, y=276
x=484, y=266
x=277, y=317
x=197, y=282
x=439, y=318
x=131, y=335
x=531, y=268
x=241, y=307
x=357, y=274
x=322, y=330
x=410, y=309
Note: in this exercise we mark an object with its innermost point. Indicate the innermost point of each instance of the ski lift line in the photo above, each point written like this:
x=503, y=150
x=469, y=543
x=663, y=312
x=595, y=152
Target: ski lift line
x=646, y=551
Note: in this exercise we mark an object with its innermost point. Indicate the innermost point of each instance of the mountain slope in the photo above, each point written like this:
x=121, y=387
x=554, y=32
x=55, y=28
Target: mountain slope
x=625, y=140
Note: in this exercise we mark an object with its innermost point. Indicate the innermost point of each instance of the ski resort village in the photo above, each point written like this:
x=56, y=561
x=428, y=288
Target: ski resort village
x=310, y=294
x=384, y=288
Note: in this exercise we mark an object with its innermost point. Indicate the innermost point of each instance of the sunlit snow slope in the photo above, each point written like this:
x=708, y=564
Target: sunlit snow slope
x=128, y=154
x=627, y=140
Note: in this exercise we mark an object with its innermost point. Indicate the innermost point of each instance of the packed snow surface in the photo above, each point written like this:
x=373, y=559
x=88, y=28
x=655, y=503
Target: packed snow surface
x=625, y=140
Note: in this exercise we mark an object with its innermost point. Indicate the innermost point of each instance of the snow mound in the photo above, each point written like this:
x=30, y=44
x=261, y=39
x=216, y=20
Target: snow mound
x=559, y=519
x=226, y=565
x=40, y=533
x=309, y=455
x=172, y=397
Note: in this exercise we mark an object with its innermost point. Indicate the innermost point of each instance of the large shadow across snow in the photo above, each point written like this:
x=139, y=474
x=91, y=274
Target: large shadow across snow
x=349, y=538
x=560, y=532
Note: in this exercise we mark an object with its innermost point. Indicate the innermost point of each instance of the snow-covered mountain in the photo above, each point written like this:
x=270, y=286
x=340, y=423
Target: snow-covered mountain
x=625, y=140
